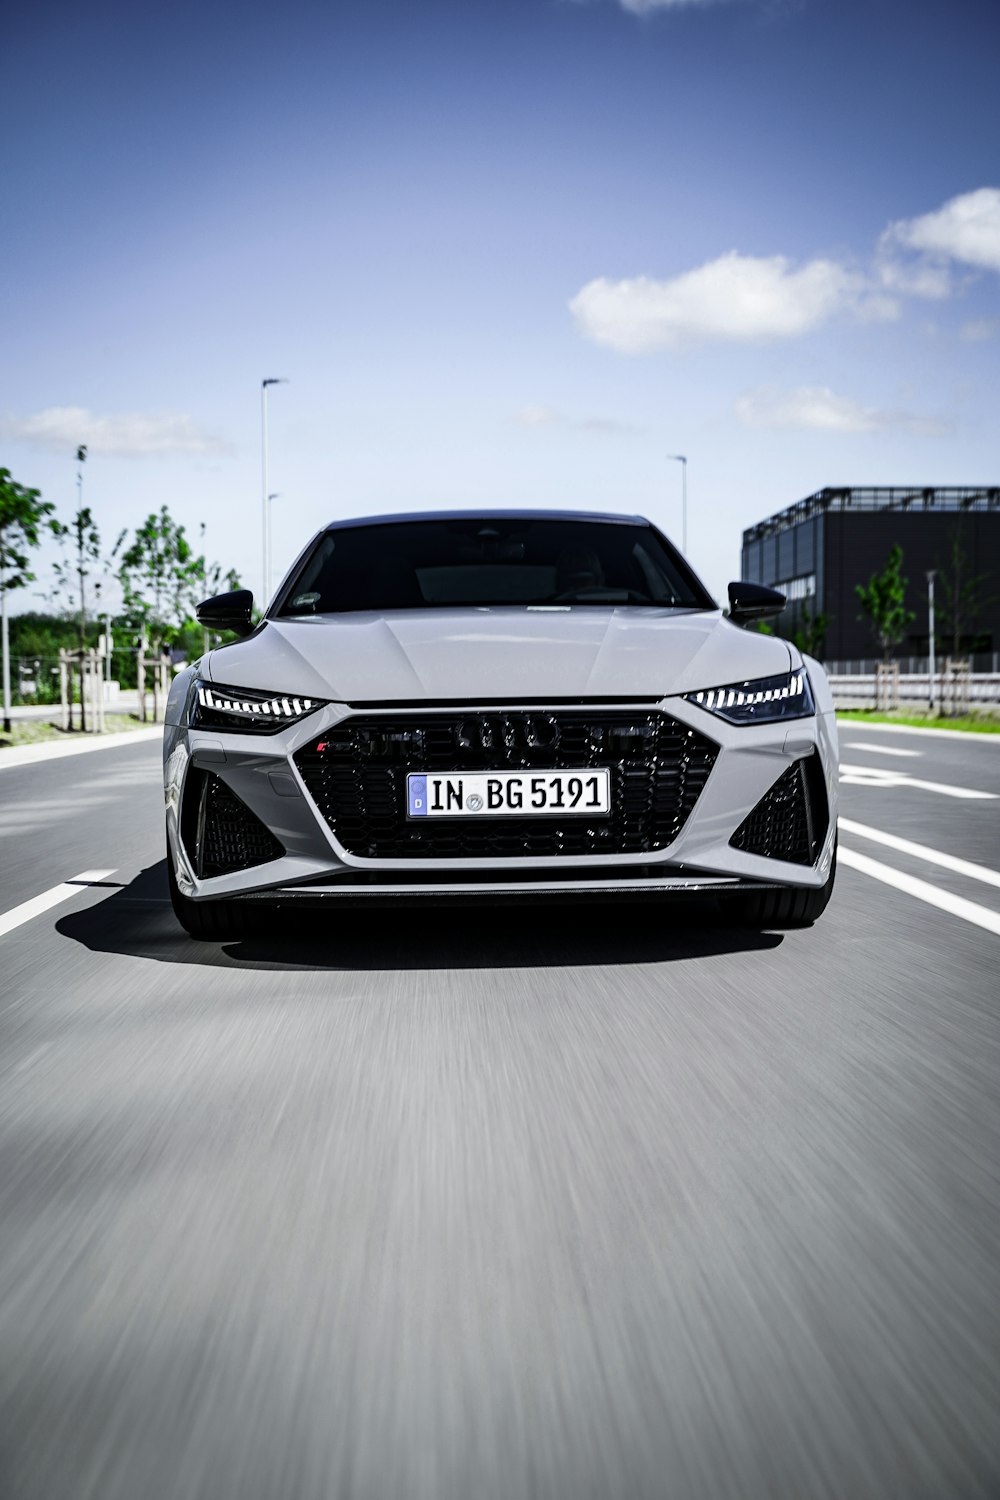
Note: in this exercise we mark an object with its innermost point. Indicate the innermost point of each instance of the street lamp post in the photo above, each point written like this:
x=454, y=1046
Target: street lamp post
x=265, y=541
x=273, y=496
x=680, y=458
x=931, y=658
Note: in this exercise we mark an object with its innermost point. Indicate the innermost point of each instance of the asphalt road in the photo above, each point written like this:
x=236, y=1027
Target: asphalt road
x=478, y=1206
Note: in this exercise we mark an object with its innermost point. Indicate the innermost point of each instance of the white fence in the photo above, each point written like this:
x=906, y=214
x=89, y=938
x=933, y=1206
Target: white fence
x=983, y=663
x=857, y=689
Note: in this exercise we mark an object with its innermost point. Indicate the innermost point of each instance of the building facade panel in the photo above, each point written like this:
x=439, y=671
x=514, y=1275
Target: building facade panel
x=819, y=550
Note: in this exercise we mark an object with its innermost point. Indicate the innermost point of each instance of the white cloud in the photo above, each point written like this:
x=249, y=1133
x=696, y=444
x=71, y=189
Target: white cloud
x=979, y=330
x=535, y=416
x=737, y=297
x=819, y=409
x=64, y=428
x=966, y=229
x=921, y=278
x=744, y=298
x=645, y=7
x=813, y=407
x=544, y=416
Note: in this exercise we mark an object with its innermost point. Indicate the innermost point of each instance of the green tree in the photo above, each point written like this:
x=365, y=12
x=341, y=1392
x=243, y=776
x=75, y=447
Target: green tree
x=23, y=514
x=961, y=595
x=883, y=604
x=84, y=541
x=810, y=636
x=160, y=578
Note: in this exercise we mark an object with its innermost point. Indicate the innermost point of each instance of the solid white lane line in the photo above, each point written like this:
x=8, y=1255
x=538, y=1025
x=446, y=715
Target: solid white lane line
x=18, y=915
x=921, y=851
x=881, y=749
x=956, y=906
x=875, y=776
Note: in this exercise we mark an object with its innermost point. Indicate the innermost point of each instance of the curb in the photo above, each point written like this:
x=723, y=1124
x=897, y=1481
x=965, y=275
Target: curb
x=27, y=755
x=938, y=734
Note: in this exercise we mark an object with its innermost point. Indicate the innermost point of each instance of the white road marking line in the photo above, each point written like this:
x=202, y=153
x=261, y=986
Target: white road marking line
x=971, y=737
x=18, y=915
x=921, y=851
x=875, y=776
x=880, y=749
x=956, y=906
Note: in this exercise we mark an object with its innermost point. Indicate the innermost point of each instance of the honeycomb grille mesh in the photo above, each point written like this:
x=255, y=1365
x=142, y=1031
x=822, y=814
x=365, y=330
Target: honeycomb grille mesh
x=356, y=774
x=790, y=821
x=220, y=832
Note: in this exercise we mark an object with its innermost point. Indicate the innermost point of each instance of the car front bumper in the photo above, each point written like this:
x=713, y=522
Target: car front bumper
x=262, y=771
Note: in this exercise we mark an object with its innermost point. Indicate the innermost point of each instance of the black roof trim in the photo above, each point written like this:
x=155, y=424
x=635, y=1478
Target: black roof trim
x=496, y=513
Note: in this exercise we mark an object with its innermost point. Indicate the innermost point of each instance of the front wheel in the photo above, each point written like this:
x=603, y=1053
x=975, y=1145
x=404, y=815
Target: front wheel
x=210, y=921
x=790, y=906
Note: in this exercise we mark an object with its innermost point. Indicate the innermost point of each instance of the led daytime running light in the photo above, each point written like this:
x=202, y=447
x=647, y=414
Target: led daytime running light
x=748, y=695
x=277, y=707
x=764, y=701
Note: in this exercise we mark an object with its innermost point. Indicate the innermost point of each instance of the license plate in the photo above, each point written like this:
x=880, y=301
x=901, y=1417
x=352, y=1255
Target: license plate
x=510, y=794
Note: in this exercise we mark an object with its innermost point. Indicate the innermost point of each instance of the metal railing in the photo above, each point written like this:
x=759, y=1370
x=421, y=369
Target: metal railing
x=860, y=688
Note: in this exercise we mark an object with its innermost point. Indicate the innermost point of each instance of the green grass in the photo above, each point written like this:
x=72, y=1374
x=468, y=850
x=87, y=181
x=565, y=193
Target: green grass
x=983, y=721
x=40, y=732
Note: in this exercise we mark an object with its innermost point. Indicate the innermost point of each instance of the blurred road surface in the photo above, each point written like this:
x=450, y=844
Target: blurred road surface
x=482, y=1205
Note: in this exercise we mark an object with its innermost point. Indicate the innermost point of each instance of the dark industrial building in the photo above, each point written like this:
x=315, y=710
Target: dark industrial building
x=818, y=550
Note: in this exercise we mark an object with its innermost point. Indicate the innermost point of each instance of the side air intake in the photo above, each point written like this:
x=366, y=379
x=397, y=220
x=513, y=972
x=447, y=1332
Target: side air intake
x=219, y=832
x=790, y=821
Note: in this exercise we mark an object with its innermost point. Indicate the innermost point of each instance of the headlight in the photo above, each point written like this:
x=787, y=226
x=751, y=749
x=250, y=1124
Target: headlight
x=761, y=702
x=245, y=710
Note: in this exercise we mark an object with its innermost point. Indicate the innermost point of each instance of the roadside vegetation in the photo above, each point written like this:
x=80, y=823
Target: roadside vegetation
x=40, y=732
x=146, y=585
x=981, y=721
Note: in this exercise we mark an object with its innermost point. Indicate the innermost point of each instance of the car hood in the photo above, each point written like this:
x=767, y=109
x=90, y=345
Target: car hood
x=511, y=654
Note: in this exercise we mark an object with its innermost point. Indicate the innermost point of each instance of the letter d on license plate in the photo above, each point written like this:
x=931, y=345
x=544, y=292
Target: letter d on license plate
x=509, y=794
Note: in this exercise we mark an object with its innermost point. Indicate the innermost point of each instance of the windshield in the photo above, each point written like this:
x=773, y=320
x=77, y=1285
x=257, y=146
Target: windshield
x=445, y=564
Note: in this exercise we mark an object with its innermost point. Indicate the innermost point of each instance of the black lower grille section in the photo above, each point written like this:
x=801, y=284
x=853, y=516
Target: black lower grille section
x=356, y=774
x=219, y=831
x=790, y=821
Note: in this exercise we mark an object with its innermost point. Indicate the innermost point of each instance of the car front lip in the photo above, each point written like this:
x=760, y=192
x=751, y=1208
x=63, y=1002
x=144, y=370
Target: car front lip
x=261, y=770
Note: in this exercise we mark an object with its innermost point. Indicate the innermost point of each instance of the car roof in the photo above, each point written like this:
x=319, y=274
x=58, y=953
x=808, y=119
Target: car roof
x=496, y=514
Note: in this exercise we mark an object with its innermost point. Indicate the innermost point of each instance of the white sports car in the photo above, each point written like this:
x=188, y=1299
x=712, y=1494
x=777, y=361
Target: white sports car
x=498, y=705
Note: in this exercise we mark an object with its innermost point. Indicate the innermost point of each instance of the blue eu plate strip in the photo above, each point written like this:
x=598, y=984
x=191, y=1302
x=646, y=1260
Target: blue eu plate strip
x=416, y=792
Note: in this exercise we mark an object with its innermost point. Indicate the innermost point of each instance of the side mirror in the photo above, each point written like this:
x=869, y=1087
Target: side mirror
x=228, y=612
x=751, y=601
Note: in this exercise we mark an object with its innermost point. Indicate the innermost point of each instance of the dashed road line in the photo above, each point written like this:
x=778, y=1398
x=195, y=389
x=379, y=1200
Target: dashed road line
x=875, y=776
x=18, y=915
x=881, y=749
x=921, y=851
x=956, y=906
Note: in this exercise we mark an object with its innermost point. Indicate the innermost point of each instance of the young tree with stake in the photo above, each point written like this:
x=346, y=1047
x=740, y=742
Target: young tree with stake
x=22, y=515
x=883, y=604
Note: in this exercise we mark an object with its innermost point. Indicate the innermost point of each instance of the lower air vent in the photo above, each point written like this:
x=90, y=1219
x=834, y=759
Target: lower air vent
x=219, y=831
x=790, y=821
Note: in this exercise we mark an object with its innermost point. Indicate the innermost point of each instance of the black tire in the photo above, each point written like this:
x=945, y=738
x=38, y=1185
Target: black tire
x=789, y=906
x=211, y=921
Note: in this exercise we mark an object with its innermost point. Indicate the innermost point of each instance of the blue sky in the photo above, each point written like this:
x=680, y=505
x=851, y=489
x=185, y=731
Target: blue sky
x=506, y=251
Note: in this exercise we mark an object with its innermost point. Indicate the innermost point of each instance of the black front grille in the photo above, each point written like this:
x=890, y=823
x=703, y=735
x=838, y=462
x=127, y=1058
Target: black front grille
x=356, y=774
x=219, y=831
x=790, y=821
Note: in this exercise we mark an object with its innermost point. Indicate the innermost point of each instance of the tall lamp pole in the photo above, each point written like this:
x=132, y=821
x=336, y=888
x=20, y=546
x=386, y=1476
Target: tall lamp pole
x=931, y=661
x=273, y=496
x=680, y=458
x=265, y=547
